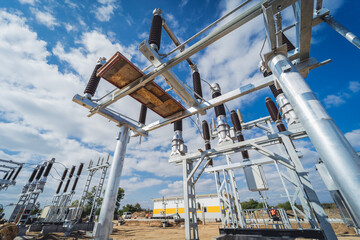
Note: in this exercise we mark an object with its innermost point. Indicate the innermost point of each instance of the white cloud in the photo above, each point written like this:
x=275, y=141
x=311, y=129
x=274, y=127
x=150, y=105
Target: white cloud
x=106, y=10
x=31, y=2
x=334, y=100
x=354, y=138
x=69, y=27
x=354, y=86
x=45, y=18
x=136, y=183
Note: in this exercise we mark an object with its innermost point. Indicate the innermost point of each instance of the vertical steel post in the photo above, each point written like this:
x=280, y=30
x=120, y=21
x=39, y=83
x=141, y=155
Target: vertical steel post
x=103, y=227
x=334, y=149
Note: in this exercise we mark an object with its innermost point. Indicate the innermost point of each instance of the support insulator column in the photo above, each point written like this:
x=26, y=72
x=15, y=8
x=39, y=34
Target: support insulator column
x=11, y=173
x=177, y=143
x=334, y=149
x=142, y=117
x=197, y=84
x=206, y=135
x=77, y=176
x=94, y=80
x=155, y=30
x=62, y=180
x=222, y=126
x=17, y=173
x=238, y=129
x=48, y=168
x=69, y=178
x=285, y=107
x=274, y=114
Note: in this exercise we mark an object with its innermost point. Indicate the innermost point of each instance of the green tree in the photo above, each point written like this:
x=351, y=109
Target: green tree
x=36, y=208
x=75, y=203
x=251, y=204
x=120, y=196
x=287, y=206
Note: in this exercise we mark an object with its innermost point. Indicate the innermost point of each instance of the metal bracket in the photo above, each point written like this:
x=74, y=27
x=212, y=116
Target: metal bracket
x=108, y=114
x=170, y=77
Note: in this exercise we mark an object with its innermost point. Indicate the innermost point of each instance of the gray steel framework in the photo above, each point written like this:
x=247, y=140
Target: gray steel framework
x=305, y=19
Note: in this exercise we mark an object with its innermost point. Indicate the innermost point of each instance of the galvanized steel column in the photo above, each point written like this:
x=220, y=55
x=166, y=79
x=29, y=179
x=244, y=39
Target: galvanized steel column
x=103, y=227
x=334, y=149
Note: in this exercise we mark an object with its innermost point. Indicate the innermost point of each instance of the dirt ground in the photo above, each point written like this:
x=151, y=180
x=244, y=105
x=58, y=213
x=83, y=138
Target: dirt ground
x=132, y=230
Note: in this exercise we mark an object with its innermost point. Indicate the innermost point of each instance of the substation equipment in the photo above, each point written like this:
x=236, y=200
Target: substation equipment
x=11, y=170
x=61, y=216
x=30, y=193
x=284, y=69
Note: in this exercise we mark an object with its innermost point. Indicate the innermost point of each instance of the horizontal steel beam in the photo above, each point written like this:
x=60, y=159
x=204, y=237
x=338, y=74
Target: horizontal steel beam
x=241, y=146
x=108, y=114
x=241, y=91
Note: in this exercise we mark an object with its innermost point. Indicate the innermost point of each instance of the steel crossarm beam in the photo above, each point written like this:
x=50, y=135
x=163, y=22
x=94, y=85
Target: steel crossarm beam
x=10, y=161
x=100, y=166
x=108, y=114
x=215, y=35
x=241, y=91
x=239, y=165
x=191, y=174
x=240, y=146
x=170, y=77
x=8, y=182
x=282, y=160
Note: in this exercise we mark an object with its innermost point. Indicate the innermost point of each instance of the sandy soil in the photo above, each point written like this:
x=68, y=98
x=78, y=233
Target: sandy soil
x=153, y=230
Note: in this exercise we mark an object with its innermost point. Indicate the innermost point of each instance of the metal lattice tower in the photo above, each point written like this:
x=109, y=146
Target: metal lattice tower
x=103, y=167
x=30, y=193
x=10, y=174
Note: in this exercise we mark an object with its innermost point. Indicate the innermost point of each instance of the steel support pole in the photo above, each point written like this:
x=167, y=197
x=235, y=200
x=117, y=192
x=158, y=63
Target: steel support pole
x=343, y=31
x=103, y=227
x=334, y=149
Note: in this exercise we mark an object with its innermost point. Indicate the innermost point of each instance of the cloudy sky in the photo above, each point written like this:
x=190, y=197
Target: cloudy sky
x=48, y=50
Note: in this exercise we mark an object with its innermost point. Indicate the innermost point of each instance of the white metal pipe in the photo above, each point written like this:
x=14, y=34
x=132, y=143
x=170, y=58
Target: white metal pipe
x=103, y=227
x=334, y=149
x=343, y=31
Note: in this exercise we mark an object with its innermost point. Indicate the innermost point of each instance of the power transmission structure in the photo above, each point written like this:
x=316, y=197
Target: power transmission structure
x=284, y=68
x=30, y=193
x=11, y=170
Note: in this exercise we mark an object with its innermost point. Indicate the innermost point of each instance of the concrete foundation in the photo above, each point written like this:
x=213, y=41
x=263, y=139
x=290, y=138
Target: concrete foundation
x=59, y=227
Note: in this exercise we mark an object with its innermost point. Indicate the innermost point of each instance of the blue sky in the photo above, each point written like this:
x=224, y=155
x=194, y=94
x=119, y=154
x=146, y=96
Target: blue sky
x=49, y=48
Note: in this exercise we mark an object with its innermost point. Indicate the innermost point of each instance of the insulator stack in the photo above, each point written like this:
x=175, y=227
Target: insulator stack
x=33, y=175
x=93, y=81
x=238, y=129
x=275, y=91
x=197, y=85
x=80, y=169
x=61, y=181
x=275, y=114
x=206, y=135
x=48, y=168
x=178, y=125
x=155, y=30
x=289, y=45
x=17, y=172
x=77, y=176
x=220, y=109
x=11, y=173
x=6, y=175
x=142, y=117
x=40, y=172
x=69, y=178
